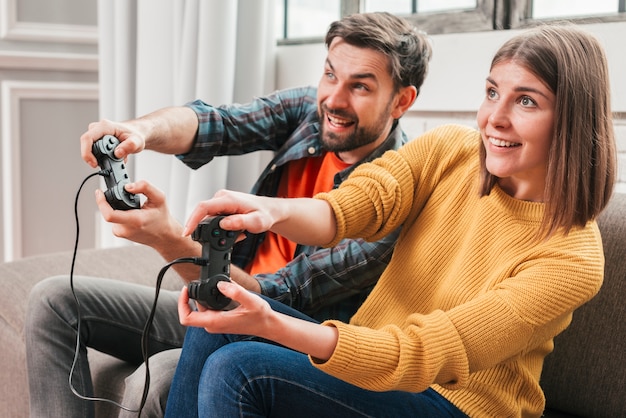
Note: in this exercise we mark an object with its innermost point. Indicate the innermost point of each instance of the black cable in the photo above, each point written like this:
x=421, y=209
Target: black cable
x=146, y=331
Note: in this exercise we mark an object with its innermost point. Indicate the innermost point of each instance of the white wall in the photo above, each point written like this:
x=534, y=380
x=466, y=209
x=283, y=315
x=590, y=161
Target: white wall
x=454, y=86
x=48, y=94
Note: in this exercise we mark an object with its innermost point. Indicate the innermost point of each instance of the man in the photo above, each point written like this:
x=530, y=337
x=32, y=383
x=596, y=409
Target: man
x=375, y=66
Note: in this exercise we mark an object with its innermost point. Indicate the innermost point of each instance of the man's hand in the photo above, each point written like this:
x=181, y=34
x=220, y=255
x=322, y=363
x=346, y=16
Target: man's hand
x=152, y=225
x=131, y=139
x=244, y=279
x=171, y=130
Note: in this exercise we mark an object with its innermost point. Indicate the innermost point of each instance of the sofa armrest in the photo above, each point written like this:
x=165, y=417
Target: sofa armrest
x=134, y=263
x=586, y=373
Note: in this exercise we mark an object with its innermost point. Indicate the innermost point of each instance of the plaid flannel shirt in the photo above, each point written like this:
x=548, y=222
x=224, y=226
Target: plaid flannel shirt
x=321, y=282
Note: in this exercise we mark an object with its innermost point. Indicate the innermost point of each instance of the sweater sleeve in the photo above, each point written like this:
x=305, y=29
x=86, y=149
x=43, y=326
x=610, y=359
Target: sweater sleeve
x=385, y=359
x=378, y=196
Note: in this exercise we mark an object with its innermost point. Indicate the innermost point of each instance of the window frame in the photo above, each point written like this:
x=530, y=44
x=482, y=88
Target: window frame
x=488, y=15
x=521, y=15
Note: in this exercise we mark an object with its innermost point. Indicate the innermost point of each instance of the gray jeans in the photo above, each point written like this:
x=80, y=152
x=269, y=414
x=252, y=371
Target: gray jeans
x=113, y=315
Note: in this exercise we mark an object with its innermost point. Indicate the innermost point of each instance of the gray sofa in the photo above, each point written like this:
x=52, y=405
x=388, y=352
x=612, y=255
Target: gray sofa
x=585, y=376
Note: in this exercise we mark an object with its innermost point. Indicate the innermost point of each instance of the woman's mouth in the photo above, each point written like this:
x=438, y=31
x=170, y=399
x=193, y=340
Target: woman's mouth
x=501, y=143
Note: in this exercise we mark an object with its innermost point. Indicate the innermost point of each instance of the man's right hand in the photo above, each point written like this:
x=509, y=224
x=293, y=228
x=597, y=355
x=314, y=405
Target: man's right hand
x=171, y=130
x=131, y=139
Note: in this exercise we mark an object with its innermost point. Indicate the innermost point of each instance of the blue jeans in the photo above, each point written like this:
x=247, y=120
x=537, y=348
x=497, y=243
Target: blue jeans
x=222, y=375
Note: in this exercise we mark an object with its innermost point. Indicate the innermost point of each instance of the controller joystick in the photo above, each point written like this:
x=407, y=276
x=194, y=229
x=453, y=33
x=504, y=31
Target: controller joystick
x=217, y=246
x=116, y=176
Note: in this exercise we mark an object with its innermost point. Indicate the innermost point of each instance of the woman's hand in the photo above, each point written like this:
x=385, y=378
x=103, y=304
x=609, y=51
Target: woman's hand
x=305, y=221
x=248, y=318
x=254, y=316
x=245, y=212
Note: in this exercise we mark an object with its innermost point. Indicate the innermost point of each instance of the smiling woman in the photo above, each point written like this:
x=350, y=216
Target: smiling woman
x=479, y=284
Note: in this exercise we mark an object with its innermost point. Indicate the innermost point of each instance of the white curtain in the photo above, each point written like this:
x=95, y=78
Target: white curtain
x=157, y=53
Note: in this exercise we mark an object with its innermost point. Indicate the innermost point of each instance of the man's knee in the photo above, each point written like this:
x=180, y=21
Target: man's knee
x=162, y=367
x=46, y=296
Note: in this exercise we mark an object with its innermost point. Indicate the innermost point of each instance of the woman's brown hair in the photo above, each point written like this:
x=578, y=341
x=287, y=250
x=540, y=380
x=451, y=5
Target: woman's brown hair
x=582, y=162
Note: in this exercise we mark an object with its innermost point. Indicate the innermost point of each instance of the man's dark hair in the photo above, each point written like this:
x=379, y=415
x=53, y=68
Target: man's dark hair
x=408, y=49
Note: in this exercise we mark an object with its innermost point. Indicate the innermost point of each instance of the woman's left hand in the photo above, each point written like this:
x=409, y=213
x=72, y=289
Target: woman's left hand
x=248, y=318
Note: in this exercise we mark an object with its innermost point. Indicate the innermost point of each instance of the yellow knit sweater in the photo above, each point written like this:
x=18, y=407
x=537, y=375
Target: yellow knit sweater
x=471, y=300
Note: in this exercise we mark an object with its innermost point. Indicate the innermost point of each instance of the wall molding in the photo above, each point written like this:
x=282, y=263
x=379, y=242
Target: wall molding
x=48, y=61
x=13, y=29
x=11, y=93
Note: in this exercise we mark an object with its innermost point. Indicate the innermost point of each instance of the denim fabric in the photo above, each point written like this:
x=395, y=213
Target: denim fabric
x=237, y=376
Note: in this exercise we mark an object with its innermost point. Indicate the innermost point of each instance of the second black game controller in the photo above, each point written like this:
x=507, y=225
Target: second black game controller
x=116, y=176
x=217, y=245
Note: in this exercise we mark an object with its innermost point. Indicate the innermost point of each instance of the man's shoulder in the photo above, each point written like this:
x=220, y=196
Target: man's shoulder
x=306, y=94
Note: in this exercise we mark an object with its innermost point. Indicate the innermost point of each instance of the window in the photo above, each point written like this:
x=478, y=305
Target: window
x=405, y=7
x=542, y=9
x=302, y=21
x=305, y=19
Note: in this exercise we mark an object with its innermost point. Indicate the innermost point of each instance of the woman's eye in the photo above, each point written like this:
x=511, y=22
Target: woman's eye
x=491, y=93
x=527, y=101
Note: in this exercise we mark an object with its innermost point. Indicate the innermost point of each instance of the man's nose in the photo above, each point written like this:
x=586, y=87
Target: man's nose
x=337, y=98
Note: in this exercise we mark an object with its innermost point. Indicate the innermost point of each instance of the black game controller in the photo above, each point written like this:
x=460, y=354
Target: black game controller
x=217, y=246
x=116, y=176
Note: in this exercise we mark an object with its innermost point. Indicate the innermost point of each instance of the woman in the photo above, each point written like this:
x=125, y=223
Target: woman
x=498, y=247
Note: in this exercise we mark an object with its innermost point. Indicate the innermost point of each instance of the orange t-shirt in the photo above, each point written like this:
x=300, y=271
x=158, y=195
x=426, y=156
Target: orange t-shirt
x=301, y=178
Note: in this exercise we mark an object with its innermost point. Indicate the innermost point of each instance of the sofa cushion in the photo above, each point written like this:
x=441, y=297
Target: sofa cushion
x=135, y=263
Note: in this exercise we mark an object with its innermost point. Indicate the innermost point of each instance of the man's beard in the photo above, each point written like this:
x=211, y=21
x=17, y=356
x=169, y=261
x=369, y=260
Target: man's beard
x=360, y=136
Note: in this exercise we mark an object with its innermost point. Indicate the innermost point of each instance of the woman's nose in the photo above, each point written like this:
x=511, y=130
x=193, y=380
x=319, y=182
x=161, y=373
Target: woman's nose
x=499, y=116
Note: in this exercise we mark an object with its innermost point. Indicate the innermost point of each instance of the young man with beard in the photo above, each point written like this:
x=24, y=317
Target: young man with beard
x=373, y=71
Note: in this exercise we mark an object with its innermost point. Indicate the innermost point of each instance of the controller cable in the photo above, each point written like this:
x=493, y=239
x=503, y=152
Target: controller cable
x=146, y=330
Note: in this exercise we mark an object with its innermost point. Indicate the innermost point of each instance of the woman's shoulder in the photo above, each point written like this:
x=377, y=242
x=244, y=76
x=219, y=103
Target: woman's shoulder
x=453, y=134
x=448, y=141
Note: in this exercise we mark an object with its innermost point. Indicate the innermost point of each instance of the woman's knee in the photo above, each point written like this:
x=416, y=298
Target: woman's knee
x=238, y=363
